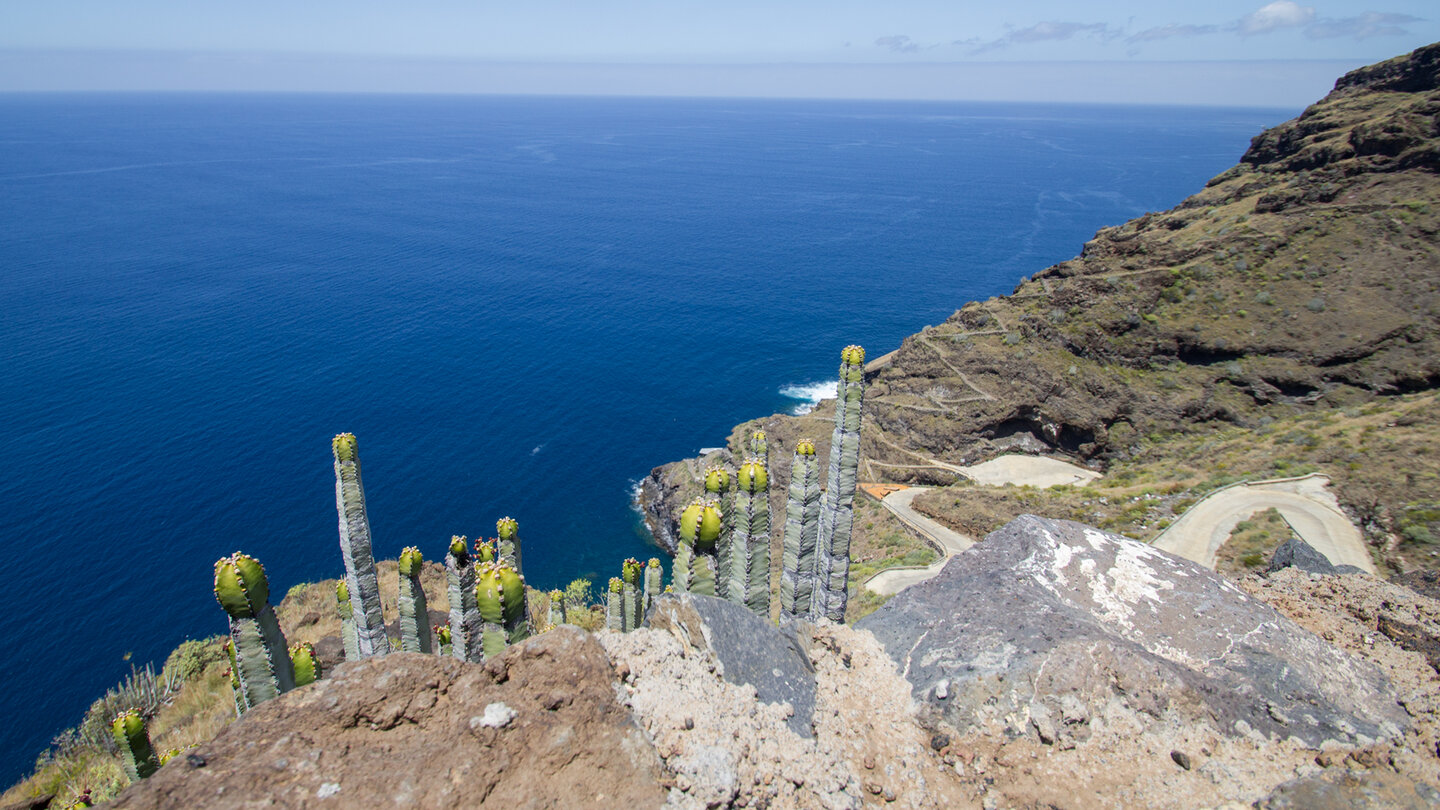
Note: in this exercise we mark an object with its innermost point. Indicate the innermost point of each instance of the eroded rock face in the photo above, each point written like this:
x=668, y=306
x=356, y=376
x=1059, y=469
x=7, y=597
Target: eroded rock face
x=1049, y=627
x=538, y=727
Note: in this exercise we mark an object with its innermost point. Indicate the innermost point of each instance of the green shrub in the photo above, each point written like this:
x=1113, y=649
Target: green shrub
x=1253, y=559
x=191, y=658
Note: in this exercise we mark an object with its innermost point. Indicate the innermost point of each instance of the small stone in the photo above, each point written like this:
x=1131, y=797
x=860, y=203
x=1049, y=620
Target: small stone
x=195, y=760
x=942, y=690
x=869, y=762
x=497, y=715
x=327, y=790
x=1330, y=759
x=874, y=788
x=689, y=723
x=1181, y=758
x=889, y=795
x=939, y=741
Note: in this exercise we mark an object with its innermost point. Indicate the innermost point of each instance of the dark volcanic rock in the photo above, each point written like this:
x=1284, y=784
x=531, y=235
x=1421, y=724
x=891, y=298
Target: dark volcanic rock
x=750, y=650
x=1339, y=789
x=1423, y=581
x=1048, y=624
x=538, y=727
x=1299, y=554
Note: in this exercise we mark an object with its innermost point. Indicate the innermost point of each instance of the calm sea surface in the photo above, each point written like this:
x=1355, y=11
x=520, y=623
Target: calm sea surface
x=519, y=306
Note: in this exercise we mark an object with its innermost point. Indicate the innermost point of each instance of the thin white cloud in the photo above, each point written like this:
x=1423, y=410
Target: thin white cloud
x=1172, y=30
x=1044, y=31
x=1274, y=17
x=898, y=44
x=1364, y=26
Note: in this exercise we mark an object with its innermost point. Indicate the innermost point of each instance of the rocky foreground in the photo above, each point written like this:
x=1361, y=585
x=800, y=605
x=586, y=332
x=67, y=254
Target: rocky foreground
x=1053, y=665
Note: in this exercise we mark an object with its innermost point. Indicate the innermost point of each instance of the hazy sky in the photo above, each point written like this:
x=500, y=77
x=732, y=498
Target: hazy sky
x=1121, y=50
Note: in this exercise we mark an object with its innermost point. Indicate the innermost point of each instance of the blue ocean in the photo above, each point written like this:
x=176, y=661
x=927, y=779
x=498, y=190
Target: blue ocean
x=518, y=305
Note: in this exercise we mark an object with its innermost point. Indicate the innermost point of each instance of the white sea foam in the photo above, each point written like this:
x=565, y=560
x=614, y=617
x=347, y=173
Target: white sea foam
x=809, y=394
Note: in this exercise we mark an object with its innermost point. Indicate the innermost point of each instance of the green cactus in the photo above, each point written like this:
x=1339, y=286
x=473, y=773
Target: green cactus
x=235, y=689
x=717, y=486
x=485, y=550
x=760, y=447
x=837, y=514
x=749, y=571
x=260, y=650
x=347, y=621
x=414, y=611
x=500, y=596
x=135, y=750
x=653, y=575
x=614, y=606
x=557, y=608
x=700, y=527
x=442, y=639
x=465, y=623
x=509, y=542
x=305, y=664
x=802, y=527
x=355, y=548
x=632, y=594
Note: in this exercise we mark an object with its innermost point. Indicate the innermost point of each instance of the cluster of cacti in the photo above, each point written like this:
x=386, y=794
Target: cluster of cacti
x=717, y=487
x=414, y=612
x=355, y=548
x=347, y=621
x=748, y=571
x=304, y=663
x=632, y=594
x=262, y=660
x=695, y=562
x=838, y=513
x=134, y=741
x=465, y=622
x=802, y=528
x=500, y=596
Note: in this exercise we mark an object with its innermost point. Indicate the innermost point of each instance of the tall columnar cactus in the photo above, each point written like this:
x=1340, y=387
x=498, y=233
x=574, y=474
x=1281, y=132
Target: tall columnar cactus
x=261, y=656
x=305, y=663
x=717, y=486
x=355, y=548
x=653, y=576
x=509, y=542
x=442, y=639
x=136, y=752
x=465, y=624
x=695, y=563
x=632, y=594
x=838, y=512
x=414, y=612
x=557, y=608
x=760, y=447
x=749, y=571
x=347, y=621
x=500, y=595
x=802, y=528
x=615, y=605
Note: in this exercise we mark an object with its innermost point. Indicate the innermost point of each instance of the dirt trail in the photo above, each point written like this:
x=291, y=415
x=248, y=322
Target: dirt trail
x=1311, y=510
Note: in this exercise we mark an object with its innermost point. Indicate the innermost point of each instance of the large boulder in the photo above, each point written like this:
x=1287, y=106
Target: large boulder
x=1049, y=626
x=538, y=727
x=1296, y=553
x=747, y=649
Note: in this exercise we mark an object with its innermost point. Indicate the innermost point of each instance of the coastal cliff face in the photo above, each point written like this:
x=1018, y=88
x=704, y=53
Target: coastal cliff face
x=1306, y=278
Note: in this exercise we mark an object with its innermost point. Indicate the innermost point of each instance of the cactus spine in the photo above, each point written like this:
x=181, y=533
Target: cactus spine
x=717, y=486
x=749, y=571
x=355, y=548
x=500, y=596
x=305, y=664
x=414, y=612
x=135, y=749
x=262, y=658
x=347, y=621
x=695, y=563
x=838, y=512
x=653, y=575
x=509, y=542
x=465, y=624
x=802, y=528
x=632, y=594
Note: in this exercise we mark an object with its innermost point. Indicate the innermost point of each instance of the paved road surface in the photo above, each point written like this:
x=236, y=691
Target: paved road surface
x=1306, y=503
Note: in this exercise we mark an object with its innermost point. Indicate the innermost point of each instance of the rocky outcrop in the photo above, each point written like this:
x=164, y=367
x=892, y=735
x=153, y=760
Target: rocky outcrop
x=1296, y=553
x=1050, y=627
x=538, y=727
